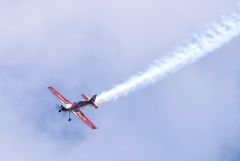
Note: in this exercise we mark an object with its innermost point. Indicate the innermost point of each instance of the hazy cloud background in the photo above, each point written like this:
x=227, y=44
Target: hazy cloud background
x=87, y=47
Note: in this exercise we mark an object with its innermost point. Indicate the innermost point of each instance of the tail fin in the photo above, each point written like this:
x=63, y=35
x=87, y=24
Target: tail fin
x=92, y=101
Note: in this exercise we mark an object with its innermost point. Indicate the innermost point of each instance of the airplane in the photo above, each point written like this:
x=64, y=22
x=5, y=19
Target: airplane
x=67, y=106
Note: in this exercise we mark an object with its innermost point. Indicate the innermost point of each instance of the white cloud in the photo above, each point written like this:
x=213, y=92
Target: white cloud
x=88, y=47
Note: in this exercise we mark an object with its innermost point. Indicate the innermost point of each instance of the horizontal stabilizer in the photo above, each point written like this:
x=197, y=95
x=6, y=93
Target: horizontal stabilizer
x=91, y=101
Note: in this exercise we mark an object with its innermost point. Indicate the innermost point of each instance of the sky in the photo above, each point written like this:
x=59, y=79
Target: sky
x=89, y=47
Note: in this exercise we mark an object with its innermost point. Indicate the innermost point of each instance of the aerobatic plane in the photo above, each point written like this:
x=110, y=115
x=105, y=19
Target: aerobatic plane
x=67, y=106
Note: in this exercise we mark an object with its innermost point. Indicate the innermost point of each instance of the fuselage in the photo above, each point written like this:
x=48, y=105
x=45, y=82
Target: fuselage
x=75, y=105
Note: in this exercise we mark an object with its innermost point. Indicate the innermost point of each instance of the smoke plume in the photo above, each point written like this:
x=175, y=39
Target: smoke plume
x=203, y=44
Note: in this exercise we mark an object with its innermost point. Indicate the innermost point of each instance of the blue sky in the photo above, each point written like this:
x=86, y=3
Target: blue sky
x=88, y=47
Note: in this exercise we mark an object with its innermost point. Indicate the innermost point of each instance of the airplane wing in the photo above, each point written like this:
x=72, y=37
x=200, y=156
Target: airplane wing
x=60, y=97
x=80, y=115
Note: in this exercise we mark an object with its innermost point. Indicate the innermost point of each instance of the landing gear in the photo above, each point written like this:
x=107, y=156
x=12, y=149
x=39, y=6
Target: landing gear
x=69, y=116
x=59, y=110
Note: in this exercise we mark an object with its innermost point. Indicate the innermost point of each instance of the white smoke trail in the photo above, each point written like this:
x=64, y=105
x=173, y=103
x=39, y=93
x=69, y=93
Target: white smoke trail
x=217, y=35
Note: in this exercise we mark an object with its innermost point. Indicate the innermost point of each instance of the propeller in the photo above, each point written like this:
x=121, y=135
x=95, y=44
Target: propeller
x=58, y=108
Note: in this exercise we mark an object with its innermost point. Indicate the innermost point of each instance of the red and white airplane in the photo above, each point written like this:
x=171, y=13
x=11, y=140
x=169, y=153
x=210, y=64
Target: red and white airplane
x=75, y=107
